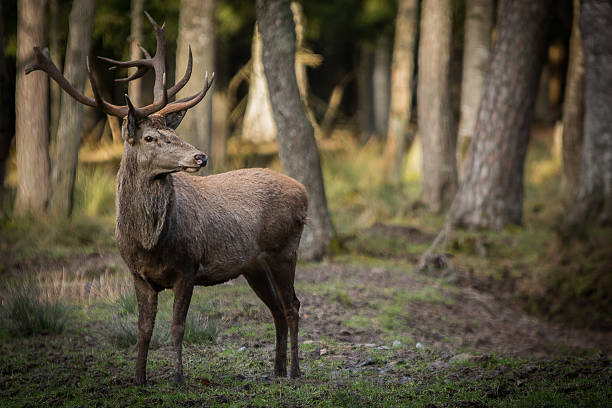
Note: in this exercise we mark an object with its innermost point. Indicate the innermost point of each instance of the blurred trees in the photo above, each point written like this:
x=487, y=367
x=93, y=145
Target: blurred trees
x=491, y=194
x=137, y=11
x=31, y=113
x=402, y=71
x=6, y=117
x=476, y=58
x=197, y=29
x=298, y=151
x=594, y=198
x=70, y=128
x=436, y=123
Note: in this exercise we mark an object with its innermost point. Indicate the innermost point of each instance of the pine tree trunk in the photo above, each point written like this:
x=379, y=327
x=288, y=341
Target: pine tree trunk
x=476, y=59
x=31, y=113
x=136, y=13
x=491, y=194
x=594, y=198
x=573, y=112
x=6, y=114
x=381, y=86
x=70, y=128
x=258, y=125
x=402, y=70
x=197, y=28
x=436, y=122
x=298, y=150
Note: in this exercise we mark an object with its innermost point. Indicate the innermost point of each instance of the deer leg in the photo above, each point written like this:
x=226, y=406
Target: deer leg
x=147, y=309
x=283, y=276
x=264, y=289
x=182, y=297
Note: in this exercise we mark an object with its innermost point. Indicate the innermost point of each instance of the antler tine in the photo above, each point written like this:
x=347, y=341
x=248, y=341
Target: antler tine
x=109, y=108
x=159, y=60
x=45, y=63
x=180, y=84
x=144, y=51
x=190, y=101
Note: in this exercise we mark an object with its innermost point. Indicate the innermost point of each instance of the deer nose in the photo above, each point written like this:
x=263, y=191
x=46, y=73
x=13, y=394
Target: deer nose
x=200, y=159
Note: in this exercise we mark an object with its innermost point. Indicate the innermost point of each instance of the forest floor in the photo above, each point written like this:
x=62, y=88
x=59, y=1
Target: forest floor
x=373, y=332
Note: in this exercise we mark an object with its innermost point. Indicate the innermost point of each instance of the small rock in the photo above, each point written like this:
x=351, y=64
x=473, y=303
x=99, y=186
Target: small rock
x=460, y=357
x=370, y=345
x=323, y=352
x=382, y=348
x=308, y=342
x=241, y=349
x=440, y=365
x=367, y=362
x=419, y=345
x=397, y=343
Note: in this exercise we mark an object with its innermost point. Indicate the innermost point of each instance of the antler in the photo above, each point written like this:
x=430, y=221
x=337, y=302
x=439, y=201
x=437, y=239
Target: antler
x=157, y=63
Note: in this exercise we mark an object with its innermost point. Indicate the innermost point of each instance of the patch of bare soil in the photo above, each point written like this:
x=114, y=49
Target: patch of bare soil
x=465, y=319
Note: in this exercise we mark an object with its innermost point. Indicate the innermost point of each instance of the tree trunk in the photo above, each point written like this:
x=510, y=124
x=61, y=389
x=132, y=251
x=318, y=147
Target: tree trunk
x=135, y=87
x=258, y=125
x=436, y=122
x=476, y=58
x=365, y=108
x=381, y=85
x=55, y=49
x=70, y=128
x=402, y=70
x=298, y=150
x=491, y=194
x=6, y=114
x=573, y=112
x=31, y=112
x=197, y=28
x=594, y=198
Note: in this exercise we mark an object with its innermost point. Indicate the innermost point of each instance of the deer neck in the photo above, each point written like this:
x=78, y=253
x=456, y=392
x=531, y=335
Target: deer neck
x=142, y=203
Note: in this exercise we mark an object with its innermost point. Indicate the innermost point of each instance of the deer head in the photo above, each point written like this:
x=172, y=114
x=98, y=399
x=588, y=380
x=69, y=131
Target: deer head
x=149, y=132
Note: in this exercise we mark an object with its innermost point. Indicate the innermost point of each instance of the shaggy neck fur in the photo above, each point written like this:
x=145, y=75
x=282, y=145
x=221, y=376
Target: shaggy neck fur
x=142, y=203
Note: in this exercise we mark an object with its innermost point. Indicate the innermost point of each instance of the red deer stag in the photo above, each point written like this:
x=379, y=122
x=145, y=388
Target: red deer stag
x=175, y=230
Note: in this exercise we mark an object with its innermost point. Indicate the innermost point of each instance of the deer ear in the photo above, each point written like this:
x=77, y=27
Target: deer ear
x=173, y=119
x=130, y=123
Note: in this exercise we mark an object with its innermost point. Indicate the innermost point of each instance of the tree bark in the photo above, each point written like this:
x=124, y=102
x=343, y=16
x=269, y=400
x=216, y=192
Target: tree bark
x=402, y=70
x=31, y=112
x=573, y=112
x=136, y=13
x=436, y=123
x=6, y=114
x=365, y=108
x=594, y=198
x=476, y=58
x=197, y=28
x=298, y=150
x=70, y=128
x=381, y=85
x=258, y=125
x=491, y=194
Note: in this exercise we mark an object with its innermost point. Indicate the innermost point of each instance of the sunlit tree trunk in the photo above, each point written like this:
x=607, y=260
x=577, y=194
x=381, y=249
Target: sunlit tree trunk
x=436, y=123
x=31, y=113
x=476, y=58
x=491, y=193
x=594, y=198
x=70, y=128
x=6, y=114
x=573, y=111
x=298, y=150
x=197, y=28
x=134, y=87
x=381, y=73
x=258, y=125
x=402, y=70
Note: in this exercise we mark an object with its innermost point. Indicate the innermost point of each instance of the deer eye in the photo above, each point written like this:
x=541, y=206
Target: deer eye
x=148, y=139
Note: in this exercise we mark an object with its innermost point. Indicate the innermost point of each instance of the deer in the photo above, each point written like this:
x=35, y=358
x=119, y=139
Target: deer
x=176, y=230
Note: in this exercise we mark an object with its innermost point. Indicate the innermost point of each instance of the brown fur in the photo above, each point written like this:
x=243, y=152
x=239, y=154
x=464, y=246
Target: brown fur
x=175, y=230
